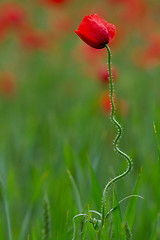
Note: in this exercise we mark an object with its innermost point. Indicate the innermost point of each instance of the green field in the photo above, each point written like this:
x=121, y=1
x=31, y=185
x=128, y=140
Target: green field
x=55, y=138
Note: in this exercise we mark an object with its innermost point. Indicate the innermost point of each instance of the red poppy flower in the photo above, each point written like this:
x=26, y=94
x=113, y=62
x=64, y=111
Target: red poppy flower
x=95, y=31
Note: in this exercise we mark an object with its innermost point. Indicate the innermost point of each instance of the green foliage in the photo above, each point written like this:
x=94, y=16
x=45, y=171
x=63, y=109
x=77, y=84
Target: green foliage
x=113, y=228
x=131, y=208
x=54, y=120
x=34, y=234
x=88, y=232
x=156, y=230
x=157, y=140
x=6, y=208
x=76, y=194
x=68, y=156
x=128, y=232
x=25, y=223
x=117, y=218
x=96, y=191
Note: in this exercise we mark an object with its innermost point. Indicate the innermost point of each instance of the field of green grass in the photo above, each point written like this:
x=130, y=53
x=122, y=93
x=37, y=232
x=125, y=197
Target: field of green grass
x=56, y=141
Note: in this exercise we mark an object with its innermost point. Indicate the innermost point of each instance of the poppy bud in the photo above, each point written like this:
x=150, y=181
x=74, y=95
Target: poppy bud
x=95, y=31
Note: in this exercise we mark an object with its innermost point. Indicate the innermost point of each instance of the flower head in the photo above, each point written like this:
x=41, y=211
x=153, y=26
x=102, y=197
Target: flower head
x=95, y=31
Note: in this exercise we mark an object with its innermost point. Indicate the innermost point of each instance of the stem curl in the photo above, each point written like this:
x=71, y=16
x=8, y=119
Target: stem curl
x=117, y=124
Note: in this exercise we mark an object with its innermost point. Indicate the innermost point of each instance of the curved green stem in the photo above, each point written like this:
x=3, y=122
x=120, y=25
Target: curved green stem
x=115, y=141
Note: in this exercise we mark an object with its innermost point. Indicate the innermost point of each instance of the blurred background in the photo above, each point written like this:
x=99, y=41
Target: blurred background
x=55, y=107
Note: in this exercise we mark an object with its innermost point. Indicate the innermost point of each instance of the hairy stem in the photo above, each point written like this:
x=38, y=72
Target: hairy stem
x=116, y=123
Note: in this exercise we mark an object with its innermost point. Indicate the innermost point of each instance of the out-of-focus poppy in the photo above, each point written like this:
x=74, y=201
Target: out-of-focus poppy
x=118, y=1
x=149, y=56
x=63, y=25
x=136, y=10
x=33, y=39
x=124, y=107
x=12, y=15
x=7, y=84
x=105, y=102
x=88, y=54
x=52, y=2
x=3, y=30
x=103, y=74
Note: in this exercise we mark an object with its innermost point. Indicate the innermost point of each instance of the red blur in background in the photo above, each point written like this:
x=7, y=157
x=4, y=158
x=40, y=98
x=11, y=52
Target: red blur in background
x=8, y=84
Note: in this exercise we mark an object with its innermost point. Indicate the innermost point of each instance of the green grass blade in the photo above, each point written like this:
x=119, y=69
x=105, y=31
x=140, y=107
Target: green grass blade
x=156, y=230
x=46, y=220
x=96, y=190
x=6, y=208
x=128, y=232
x=88, y=231
x=91, y=232
x=156, y=134
x=35, y=196
x=8, y=218
x=68, y=156
x=38, y=187
x=117, y=218
x=79, y=172
x=33, y=234
x=25, y=223
x=76, y=194
x=131, y=208
x=73, y=163
x=85, y=230
x=28, y=237
x=107, y=230
x=113, y=229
